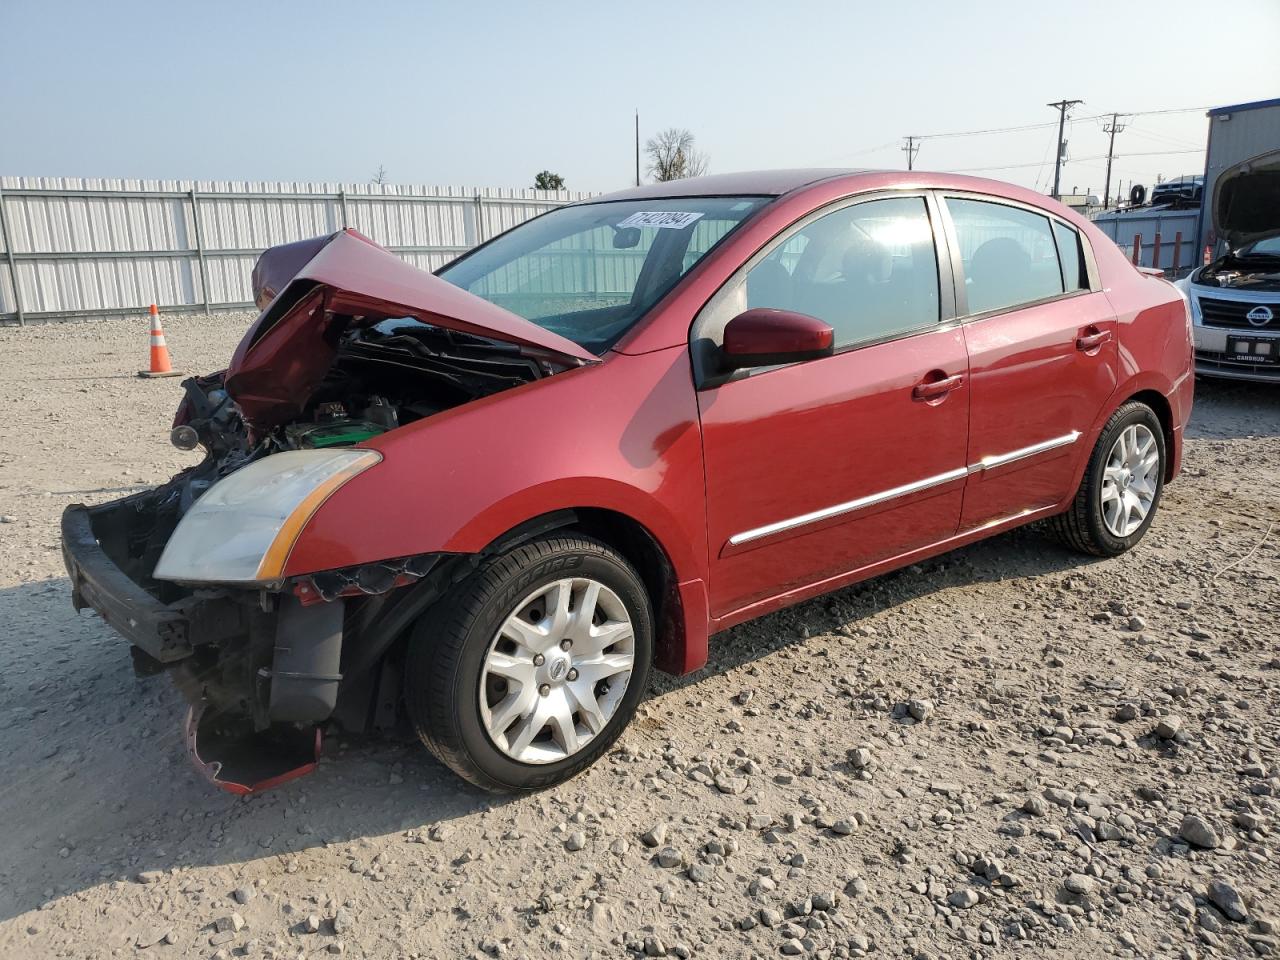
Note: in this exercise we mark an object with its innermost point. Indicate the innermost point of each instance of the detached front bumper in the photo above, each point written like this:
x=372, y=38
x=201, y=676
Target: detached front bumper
x=259, y=676
x=158, y=629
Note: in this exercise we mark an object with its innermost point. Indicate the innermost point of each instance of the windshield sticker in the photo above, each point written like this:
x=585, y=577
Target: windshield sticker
x=668, y=220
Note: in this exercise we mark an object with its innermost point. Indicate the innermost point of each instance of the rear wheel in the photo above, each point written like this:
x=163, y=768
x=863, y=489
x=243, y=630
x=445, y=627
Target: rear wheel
x=531, y=669
x=1121, y=487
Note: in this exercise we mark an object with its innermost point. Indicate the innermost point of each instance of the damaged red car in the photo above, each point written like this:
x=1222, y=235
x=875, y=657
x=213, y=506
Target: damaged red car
x=483, y=503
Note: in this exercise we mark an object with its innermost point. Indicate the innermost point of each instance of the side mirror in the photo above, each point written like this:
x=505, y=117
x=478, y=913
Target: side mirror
x=763, y=337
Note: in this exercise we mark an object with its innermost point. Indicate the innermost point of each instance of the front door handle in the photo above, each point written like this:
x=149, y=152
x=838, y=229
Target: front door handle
x=932, y=389
x=1092, y=339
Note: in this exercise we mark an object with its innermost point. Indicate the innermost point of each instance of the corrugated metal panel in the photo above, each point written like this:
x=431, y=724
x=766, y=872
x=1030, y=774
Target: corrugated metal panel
x=1124, y=226
x=1232, y=138
x=115, y=244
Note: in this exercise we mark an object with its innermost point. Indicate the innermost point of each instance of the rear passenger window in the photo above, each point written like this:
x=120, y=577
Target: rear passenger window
x=869, y=270
x=1008, y=255
x=1073, y=276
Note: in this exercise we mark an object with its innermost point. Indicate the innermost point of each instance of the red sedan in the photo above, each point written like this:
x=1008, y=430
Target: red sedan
x=486, y=501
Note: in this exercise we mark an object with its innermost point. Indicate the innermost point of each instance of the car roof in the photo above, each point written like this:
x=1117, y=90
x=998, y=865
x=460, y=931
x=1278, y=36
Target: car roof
x=779, y=183
x=760, y=183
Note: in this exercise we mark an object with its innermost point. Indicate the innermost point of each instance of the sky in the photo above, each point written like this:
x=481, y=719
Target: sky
x=487, y=94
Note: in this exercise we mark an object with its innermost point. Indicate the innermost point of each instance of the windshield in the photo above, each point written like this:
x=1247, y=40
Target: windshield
x=588, y=272
x=1270, y=247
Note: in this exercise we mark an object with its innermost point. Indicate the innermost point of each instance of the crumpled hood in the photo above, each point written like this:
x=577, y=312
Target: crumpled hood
x=1246, y=201
x=311, y=290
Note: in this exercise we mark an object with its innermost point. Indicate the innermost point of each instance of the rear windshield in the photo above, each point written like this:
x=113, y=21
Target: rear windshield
x=588, y=272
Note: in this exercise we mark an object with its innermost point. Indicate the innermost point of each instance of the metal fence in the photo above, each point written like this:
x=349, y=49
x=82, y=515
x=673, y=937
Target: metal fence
x=1154, y=238
x=74, y=247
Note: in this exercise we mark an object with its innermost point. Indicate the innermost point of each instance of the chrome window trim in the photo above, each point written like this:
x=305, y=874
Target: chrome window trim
x=871, y=500
x=706, y=326
x=957, y=262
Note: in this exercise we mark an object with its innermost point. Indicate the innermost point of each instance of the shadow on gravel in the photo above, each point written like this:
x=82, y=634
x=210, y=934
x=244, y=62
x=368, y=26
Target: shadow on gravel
x=1236, y=409
x=1024, y=552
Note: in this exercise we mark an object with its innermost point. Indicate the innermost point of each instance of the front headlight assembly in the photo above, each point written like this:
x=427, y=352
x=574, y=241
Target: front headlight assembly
x=243, y=528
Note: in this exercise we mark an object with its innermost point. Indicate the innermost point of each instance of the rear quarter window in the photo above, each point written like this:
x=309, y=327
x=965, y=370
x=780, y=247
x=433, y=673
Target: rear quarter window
x=1074, y=276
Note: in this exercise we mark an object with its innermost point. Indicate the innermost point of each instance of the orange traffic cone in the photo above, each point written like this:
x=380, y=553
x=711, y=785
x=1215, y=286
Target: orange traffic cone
x=160, y=365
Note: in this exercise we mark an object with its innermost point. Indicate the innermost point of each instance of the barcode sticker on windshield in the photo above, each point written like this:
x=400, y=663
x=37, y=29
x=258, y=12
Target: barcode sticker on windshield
x=662, y=220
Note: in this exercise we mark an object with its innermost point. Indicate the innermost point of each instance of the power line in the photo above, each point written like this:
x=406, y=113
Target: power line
x=1053, y=123
x=1081, y=160
x=858, y=153
x=1155, y=113
x=1152, y=153
x=979, y=133
x=1160, y=137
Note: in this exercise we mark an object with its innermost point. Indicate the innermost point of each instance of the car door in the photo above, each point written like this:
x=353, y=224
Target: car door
x=1042, y=353
x=816, y=469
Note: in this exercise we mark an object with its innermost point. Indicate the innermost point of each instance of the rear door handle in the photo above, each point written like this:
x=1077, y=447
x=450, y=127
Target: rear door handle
x=1092, y=341
x=932, y=389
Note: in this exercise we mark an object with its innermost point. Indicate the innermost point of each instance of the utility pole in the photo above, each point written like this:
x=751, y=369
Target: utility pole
x=1062, y=106
x=911, y=149
x=637, y=148
x=1112, y=128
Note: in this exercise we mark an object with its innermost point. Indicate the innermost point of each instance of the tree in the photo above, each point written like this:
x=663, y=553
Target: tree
x=380, y=177
x=672, y=156
x=546, y=180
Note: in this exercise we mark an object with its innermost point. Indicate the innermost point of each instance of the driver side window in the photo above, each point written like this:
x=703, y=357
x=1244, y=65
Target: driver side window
x=869, y=270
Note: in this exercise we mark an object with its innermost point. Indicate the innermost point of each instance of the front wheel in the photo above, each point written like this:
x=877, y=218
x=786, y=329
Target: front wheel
x=532, y=668
x=1121, y=487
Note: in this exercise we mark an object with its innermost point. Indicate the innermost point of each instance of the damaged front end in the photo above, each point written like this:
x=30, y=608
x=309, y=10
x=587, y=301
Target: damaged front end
x=193, y=573
x=261, y=668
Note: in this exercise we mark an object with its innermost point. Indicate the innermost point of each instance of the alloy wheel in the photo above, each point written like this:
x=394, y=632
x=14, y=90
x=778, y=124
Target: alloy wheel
x=556, y=670
x=1130, y=480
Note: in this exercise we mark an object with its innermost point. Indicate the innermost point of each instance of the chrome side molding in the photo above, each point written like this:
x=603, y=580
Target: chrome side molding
x=871, y=500
x=1000, y=459
x=840, y=508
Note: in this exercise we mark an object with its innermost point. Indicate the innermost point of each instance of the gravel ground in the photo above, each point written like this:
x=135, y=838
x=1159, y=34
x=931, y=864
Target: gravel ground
x=1007, y=750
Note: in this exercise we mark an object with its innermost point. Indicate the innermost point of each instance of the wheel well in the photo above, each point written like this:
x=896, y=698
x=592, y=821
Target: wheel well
x=641, y=549
x=1164, y=413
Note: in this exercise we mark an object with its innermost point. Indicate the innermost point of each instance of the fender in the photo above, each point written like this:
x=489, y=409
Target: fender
x=628, y=442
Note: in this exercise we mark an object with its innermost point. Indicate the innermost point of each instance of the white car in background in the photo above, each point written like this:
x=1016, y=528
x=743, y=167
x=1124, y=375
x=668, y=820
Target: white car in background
x=1235, y=301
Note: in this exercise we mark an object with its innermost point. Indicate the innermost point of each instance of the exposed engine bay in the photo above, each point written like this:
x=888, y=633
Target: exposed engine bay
x=384, y=376
x=1258, y=272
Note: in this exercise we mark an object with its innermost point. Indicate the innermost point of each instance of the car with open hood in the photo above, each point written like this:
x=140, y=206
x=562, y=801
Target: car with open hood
x=482, y=504
x=1235, y=300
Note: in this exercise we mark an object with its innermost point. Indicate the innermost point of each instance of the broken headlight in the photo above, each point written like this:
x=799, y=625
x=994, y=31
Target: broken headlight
x=242, y=529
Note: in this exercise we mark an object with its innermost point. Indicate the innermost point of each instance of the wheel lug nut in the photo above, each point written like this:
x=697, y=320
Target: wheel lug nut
x=572, y=675
x=544, y=689
x=566, y=643
x=539, y=660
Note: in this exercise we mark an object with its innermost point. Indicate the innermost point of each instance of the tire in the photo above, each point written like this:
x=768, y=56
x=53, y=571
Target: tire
x=450, y=678
x=1087, y=525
